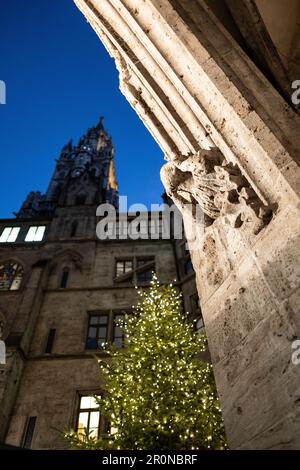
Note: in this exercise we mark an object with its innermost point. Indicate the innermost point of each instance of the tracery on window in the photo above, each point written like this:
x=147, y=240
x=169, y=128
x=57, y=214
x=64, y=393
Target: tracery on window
x=11, y=274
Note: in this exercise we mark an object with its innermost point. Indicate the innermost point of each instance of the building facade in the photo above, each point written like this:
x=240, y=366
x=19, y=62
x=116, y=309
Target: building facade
x=216, y=82
x=62, y=291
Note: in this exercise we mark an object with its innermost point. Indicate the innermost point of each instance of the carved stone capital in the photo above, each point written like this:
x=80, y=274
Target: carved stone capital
x=220, y=189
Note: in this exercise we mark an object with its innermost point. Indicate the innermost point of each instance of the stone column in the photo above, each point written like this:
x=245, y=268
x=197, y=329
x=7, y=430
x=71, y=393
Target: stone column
x=232, y=145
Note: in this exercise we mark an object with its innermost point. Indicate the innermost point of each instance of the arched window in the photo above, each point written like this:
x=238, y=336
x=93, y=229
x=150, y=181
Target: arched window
x=11, y=274
x=74, y=228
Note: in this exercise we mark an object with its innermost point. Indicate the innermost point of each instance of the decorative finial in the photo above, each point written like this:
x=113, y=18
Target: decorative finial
x=101, y=122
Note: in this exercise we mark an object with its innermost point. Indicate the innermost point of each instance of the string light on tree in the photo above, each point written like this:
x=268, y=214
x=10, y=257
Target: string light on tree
x=158, y=394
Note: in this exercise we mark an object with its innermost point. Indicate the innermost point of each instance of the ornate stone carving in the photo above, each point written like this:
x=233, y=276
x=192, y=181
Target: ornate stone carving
x=219, y=187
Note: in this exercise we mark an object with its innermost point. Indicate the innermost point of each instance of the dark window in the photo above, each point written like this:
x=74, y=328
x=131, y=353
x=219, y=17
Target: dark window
x=195, y=304
x=50, y=341
x=97, y=331
x=145, y=275
x=11, y=274
x=188, y=267
x=29, y=430
x=118, y=335
x=88, y=417
x=185, y=249
x=144, y=261
x=123, y=267
x=64, y=279
x=80, y=199
x=74, y=228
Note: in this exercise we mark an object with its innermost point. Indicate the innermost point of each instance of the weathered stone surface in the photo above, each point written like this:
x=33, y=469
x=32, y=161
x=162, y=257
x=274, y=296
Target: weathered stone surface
x=218, y=188
x=184, y=69
x=48, y=391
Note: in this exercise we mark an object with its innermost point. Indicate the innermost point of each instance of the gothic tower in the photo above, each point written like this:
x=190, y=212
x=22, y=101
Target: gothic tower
x=84, y=175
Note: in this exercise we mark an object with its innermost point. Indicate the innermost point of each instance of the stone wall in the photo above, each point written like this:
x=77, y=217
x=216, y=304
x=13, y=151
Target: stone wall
x=232, y=146
x=34, y=383
x=49, y=390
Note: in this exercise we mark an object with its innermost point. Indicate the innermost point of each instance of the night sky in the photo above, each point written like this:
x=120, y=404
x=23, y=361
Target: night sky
x=59, y=81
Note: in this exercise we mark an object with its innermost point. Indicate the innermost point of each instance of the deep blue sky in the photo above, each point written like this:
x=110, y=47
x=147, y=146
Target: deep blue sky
x=59, y=81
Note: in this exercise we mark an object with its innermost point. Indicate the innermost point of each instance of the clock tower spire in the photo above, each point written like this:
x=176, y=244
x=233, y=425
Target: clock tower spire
x=84, y=174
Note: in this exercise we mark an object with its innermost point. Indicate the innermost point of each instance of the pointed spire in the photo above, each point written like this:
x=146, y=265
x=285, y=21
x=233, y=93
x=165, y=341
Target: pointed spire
x=67, y=149
x=100, y=124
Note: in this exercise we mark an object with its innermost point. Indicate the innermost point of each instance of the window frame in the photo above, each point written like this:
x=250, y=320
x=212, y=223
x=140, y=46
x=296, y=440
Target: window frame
x=13, y=228
x=83, y=394
x=64, y=278
x=110, y=327
x=97, y=326
x=197, y=320
x=18, y=276
x=147, y=267
x=114, y=337
x=50, y=341
x=26, y=435
x=124, y=261
x=37, y=228
x=74, y=229
x=132, y=277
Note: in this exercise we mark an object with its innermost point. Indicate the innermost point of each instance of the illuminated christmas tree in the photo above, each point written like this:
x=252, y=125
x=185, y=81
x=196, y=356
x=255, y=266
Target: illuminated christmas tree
x=158, y=394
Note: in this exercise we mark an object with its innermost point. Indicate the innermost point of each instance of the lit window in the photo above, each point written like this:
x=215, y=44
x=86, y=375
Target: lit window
x=88, y=417
x=9, y=234
x=35, y=234
x=11, y=274
x=123, y=267
x=97, y=331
